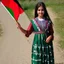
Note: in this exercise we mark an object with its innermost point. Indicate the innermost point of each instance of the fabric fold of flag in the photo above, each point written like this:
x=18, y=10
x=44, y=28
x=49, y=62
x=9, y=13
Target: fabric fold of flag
x=13, y=7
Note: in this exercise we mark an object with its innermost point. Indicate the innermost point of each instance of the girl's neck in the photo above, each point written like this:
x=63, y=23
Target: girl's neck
x=41, y=17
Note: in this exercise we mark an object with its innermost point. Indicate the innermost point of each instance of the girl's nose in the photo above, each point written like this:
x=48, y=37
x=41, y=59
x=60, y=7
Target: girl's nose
x=40, y=11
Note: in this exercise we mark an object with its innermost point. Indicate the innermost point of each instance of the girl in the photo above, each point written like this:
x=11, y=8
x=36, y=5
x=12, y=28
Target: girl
x=41, y=25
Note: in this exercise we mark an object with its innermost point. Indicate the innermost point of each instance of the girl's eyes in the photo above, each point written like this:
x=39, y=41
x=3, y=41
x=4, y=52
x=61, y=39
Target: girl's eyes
x=40, y=9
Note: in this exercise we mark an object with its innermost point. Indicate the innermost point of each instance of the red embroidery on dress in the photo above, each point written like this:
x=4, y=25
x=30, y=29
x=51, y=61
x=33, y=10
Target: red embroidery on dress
x=38, y=25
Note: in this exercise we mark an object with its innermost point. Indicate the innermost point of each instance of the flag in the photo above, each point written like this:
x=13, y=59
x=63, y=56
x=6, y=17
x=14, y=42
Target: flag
x=13, y=7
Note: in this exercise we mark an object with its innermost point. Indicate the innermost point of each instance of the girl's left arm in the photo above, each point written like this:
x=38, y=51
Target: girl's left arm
x=51, y=36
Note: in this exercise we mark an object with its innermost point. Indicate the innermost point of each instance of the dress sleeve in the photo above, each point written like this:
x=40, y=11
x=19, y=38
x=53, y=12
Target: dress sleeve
x=51, y=29
x=29, y=30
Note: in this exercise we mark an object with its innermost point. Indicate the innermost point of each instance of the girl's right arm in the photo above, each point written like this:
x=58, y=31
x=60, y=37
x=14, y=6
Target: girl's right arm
x=28, y=31
x=19, y=26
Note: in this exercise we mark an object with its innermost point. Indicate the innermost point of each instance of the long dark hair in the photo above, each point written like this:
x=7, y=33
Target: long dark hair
x=46, y=15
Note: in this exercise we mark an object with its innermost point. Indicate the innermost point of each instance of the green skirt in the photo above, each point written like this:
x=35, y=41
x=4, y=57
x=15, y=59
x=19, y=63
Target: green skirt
x=42, y=52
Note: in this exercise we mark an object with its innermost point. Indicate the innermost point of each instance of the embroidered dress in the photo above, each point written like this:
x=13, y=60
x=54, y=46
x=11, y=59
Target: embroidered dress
x=42, y=52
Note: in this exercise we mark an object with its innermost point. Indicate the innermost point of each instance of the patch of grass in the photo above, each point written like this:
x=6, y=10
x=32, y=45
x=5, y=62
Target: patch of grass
x=29, y=13
x=54, y=2
x=61, y=44
x=27, y=4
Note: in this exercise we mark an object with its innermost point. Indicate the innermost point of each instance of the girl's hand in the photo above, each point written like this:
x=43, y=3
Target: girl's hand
x=22, y=30
x=19, y=26
x=47, y=40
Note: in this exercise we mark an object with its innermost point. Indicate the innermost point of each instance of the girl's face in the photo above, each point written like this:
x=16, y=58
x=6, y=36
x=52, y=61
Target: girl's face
x=40, y=12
